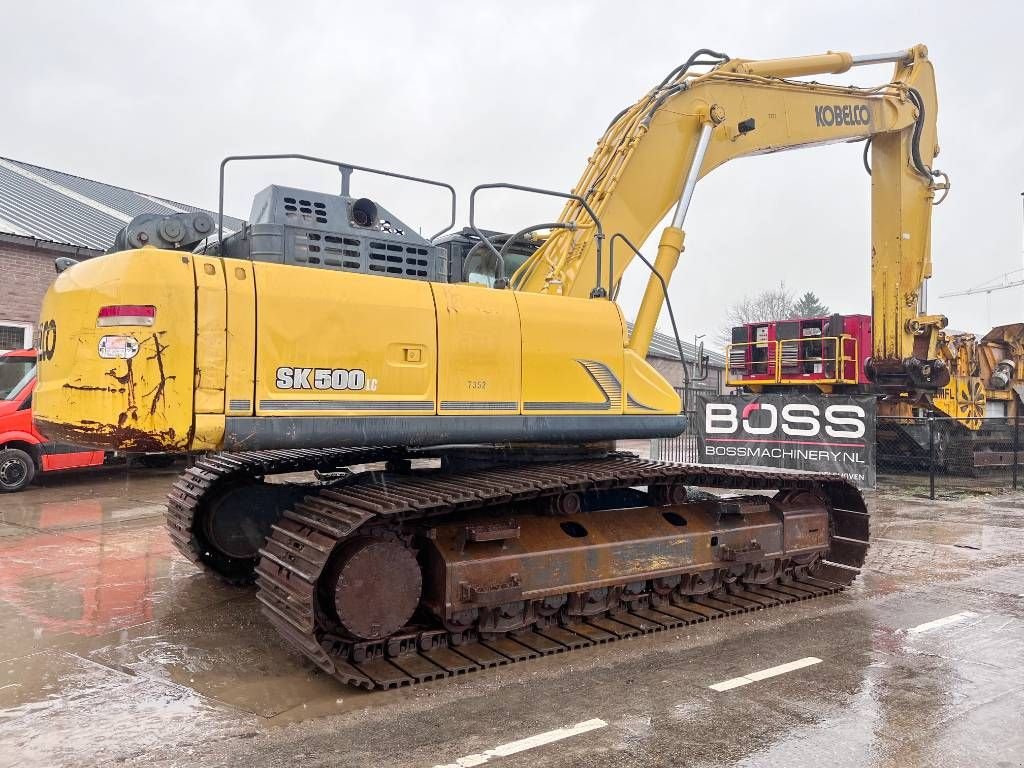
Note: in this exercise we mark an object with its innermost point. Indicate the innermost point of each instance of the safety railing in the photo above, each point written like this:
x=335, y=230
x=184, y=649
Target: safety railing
x=815, y=359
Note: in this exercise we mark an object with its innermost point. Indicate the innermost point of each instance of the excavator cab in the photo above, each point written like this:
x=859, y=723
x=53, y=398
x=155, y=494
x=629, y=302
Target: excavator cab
x=470, y=262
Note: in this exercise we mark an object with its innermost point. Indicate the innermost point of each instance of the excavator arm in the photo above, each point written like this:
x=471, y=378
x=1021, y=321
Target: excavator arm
x=653, y=153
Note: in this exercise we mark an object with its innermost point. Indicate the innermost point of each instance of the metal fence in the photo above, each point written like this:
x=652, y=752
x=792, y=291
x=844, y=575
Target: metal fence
x=949, y=457
x=926, y=456
x=682, y=449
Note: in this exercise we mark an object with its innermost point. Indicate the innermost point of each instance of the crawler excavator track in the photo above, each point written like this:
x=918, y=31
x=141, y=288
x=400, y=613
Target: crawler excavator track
x=390, y=577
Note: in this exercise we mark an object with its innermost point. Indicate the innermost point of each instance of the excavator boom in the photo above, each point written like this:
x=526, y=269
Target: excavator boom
x=653, y=153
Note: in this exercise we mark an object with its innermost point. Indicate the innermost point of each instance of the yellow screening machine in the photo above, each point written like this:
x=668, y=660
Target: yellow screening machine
x=467, y=507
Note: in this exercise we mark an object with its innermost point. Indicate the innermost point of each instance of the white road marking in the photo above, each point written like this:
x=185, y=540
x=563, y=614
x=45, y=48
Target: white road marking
x=930, y=625
x=514, y=747
x=764, y=674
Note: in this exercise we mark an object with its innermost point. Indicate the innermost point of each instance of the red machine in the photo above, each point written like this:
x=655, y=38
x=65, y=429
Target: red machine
x=827, y=352
x=23, y=450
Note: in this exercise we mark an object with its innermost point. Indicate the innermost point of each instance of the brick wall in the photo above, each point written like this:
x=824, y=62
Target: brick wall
x=26, y=271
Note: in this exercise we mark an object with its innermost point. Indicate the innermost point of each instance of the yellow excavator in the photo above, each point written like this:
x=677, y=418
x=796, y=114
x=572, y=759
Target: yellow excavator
x=468, y=508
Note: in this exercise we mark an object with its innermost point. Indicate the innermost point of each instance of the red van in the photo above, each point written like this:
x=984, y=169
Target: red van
x=23, y=451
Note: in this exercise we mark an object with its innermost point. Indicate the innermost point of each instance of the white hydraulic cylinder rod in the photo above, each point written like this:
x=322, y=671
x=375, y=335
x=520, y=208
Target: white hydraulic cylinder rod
x=880, y=58
x=691, y=177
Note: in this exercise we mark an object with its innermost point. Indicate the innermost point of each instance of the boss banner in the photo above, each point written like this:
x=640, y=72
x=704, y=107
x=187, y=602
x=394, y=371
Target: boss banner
x=820, y=433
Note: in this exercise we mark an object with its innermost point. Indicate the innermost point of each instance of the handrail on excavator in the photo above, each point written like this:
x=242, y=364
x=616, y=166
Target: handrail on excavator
x=346, y=171
x=500, y=281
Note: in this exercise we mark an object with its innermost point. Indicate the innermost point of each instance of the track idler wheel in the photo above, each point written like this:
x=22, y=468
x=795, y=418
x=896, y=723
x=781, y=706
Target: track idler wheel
x=236, y=521
x=376, y=588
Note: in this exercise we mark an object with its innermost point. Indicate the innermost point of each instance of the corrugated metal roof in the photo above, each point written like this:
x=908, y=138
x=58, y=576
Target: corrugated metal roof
x=664, y=346
x=51, y=205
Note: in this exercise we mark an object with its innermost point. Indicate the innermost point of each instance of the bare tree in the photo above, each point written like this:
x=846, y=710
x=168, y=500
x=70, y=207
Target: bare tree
x=770, y=304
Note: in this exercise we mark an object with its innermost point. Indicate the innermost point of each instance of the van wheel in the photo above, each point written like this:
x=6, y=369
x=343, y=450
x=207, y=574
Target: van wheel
x=16, y=470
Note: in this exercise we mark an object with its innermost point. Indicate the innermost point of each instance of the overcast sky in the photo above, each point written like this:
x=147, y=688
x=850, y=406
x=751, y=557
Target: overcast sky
x=151, y=97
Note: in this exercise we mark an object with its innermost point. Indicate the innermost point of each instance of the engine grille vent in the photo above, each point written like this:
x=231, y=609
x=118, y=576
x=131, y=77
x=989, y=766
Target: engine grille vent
x=298, y=209
x=296, y=226
x=398, y=259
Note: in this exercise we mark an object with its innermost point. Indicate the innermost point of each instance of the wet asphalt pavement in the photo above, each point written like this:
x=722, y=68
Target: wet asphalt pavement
x=115, y=650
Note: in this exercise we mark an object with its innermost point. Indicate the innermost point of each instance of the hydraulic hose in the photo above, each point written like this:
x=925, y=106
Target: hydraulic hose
x=915, y=141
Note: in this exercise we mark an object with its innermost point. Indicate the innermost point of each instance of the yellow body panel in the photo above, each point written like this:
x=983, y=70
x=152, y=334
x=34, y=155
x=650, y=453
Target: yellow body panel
x=241, y=337
x=208, y=432
x=211, y=335
x=480, y=350
x=315, y=320
x=572, y=355
x=144, y=402
x=964, y=399
x=646, y=389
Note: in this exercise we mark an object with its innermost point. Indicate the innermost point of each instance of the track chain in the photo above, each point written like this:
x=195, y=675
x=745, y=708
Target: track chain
x=199, y=485
x=302, y=542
